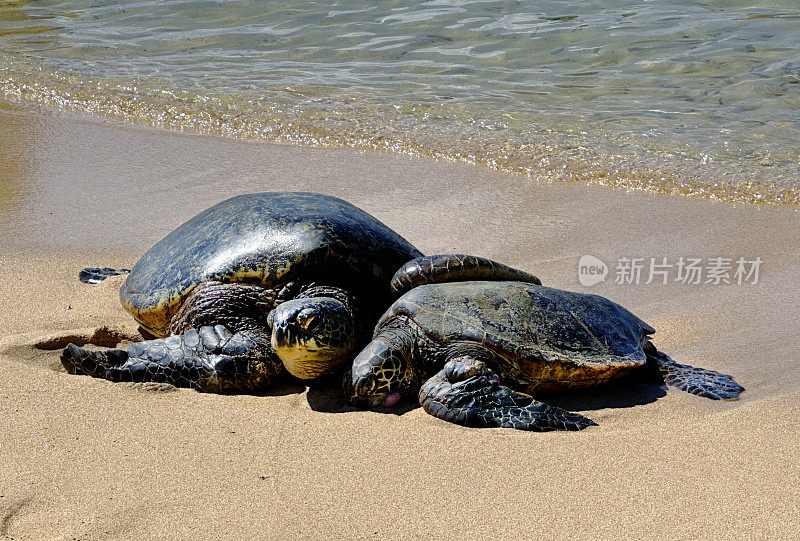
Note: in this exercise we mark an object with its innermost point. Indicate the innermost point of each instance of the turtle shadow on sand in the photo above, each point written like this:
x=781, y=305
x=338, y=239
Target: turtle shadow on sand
x=283, y=385
x=618, y=394
x=636, y=391
x=327, y=395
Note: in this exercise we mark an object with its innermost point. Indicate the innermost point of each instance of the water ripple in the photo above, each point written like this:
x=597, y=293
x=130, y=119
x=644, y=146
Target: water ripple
x=676, y=96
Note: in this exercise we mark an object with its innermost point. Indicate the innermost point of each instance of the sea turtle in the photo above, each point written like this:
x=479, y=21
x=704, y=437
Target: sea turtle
x=454, y=343
x=258, y=282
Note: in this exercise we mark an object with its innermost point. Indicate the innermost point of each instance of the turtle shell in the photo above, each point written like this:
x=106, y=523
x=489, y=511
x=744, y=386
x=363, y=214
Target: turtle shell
x=545, y=338
x=268, y=239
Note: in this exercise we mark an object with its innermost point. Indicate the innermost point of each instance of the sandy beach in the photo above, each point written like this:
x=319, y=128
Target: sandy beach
x=87, y=459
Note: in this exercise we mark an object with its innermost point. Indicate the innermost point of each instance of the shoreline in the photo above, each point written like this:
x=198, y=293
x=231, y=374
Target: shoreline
x=572, y=161
x=91, y=459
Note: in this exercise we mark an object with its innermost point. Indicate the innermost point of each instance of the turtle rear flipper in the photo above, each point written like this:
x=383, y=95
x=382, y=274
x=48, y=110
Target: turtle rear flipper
x=468, y=393
x=699, y=381
x=210, y=359
x=95, y=275
x=436, y=269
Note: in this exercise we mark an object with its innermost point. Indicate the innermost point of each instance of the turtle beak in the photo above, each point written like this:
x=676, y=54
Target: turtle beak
x=278, y=335
x=282, y=334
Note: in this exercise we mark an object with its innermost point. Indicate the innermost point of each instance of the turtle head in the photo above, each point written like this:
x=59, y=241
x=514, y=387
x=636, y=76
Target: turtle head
x=312, y=336
x=381, y=375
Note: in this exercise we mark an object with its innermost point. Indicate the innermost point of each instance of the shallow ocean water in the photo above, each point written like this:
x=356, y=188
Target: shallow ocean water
x=692, y=97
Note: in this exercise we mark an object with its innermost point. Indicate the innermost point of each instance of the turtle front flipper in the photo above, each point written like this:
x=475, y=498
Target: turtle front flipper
x=95, y=275
x=468, y=393
x=211, y=359
x=436, y=269
x=699, y=381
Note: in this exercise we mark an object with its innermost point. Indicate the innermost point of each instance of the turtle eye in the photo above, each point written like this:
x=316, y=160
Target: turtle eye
x=308, y=320
x=366, y=386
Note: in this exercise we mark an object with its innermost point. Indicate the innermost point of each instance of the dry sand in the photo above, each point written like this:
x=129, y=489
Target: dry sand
x=85, y=458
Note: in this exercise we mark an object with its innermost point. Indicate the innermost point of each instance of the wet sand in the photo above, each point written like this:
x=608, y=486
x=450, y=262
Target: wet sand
x=85, y=458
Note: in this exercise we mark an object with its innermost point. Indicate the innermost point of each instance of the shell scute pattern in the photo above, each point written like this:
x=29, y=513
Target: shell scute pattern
x=266, y=239
x=538, y=333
